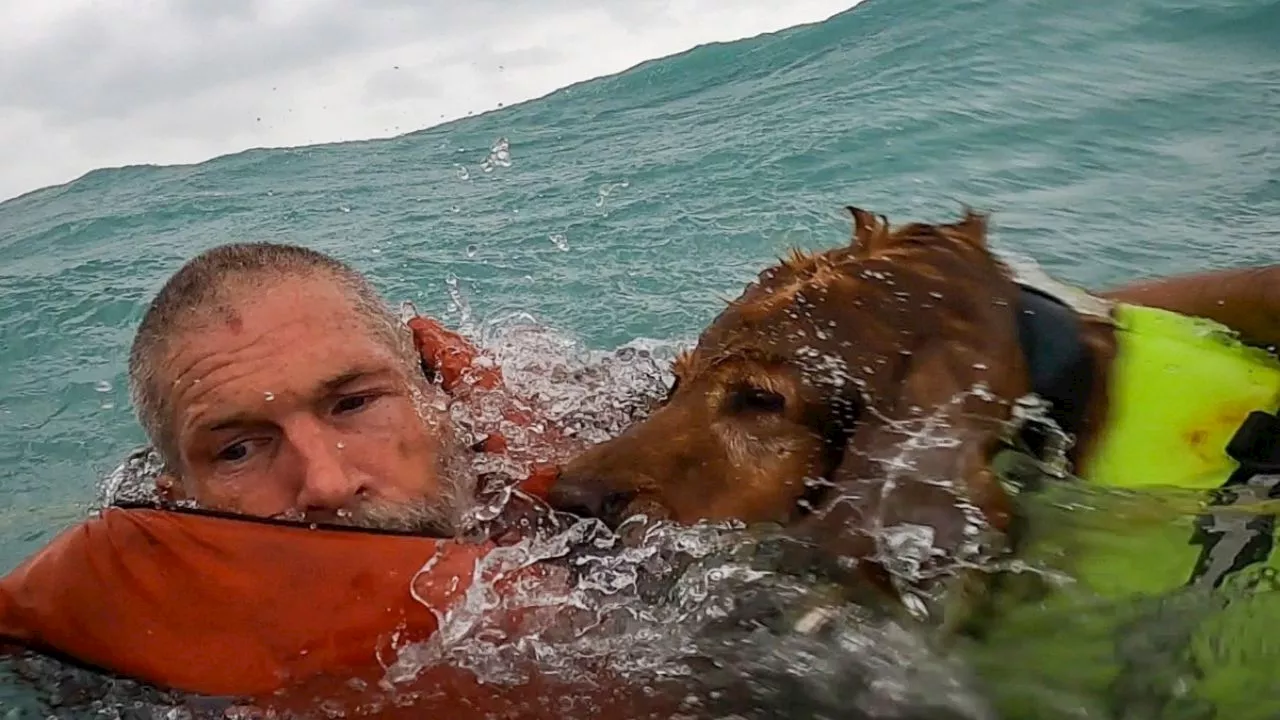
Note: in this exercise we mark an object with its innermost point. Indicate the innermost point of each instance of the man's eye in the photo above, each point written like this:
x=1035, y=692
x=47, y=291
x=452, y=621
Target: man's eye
x=352, y=403
x=234, y=453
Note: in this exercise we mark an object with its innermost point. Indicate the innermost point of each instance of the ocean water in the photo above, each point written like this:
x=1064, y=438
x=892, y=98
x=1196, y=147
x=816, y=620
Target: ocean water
x=1112, y=141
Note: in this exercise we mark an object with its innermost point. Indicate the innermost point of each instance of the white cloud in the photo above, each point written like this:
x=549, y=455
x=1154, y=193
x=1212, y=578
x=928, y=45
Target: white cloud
x=103, y=83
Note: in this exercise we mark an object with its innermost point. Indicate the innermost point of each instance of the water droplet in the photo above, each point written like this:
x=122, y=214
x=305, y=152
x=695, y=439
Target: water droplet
x=472, y=250
x=935, y=295
x=344, y=208
x=979, y=366
x=455, y=209
x=341, y=445
x=268, y=396
x=463, y=174
x=103, y=386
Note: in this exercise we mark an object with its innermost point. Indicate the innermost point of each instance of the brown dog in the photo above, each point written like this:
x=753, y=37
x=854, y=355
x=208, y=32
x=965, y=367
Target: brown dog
x=867, y=387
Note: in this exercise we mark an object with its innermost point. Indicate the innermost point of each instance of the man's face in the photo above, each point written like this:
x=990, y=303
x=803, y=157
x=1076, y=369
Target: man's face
x=286, y=404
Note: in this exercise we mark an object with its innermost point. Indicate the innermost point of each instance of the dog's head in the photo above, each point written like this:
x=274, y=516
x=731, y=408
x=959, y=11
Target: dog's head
x=809, y=399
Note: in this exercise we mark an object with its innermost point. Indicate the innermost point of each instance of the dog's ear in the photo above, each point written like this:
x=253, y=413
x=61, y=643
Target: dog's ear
x=973, y=227
x=886, y=478
x=870, y=231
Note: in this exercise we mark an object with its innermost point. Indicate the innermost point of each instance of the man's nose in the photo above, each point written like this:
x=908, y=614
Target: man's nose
x=328, y=484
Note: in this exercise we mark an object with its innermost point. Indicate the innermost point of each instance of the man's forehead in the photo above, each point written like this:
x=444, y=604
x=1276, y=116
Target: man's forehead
x=243, y=305
x=309, y=329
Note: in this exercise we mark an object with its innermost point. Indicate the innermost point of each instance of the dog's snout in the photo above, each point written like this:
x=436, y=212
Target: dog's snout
x=576, y=497
x=589, y=497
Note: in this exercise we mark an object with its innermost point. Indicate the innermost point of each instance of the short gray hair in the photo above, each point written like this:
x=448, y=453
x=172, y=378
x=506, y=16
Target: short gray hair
x=201, y=286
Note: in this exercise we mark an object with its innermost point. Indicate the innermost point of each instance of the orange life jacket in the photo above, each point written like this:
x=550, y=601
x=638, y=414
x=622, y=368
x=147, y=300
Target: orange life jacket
x=283, y=614
x=287, y=617
x=452, y=359
x=225, y=606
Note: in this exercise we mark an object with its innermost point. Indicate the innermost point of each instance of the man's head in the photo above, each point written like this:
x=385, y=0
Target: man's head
x=274, y=381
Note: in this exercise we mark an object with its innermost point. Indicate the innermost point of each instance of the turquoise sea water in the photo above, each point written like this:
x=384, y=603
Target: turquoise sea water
x=1112, y=141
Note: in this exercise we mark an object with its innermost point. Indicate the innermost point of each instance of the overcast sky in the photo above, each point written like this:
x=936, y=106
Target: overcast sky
x=102, y=83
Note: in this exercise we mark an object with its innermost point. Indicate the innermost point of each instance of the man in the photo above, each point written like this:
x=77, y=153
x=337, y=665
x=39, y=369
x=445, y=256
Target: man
x=274, y=382
x=282, y=395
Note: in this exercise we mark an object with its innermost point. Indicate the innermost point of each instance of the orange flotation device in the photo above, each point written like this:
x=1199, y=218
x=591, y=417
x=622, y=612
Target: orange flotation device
x=282, y=614
x=453, y=361
x=223, y=606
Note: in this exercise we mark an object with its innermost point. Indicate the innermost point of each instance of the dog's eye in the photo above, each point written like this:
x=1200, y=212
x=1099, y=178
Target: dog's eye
x=751, y=399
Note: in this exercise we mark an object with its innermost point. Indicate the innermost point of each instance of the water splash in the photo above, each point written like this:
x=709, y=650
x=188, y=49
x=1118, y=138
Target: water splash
x=649, y=604
x=607, y=189
x=706, y=609
x=132, y=481
x=499, y=156
x=457, y=301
